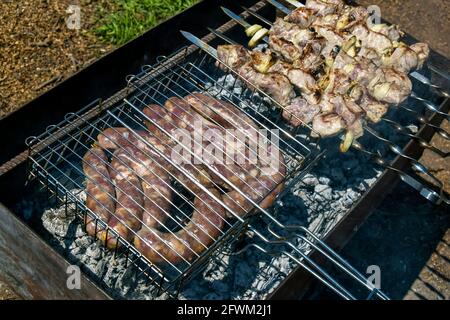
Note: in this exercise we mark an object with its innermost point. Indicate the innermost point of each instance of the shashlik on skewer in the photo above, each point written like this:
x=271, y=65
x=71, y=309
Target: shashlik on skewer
x=280, y=86
x=338, y=22
x=357, y=80
x=345, y=94
x=278, y=79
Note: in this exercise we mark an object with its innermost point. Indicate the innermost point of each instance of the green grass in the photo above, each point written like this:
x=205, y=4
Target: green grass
x=124, y=20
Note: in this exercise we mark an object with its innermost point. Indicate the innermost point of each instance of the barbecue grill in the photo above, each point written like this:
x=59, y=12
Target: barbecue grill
x=50, y=167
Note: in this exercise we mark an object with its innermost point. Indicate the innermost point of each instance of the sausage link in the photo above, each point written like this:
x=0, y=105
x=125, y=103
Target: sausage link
x=221, y=112
x=186, y=118
x=156, y=114
x=128, y=214
x=262, y=190
x=231, y=118
x=155, y=180
x=157, y=193
x=204, y=227
x=100, y=194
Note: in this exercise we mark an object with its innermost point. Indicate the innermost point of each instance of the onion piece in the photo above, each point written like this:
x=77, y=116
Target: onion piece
x=347, y=142
x=261, y=33
x=250, y=31
x=378, y=27
x=342, y=22
x=349, y=44
x=263, y=63
x=381, y=90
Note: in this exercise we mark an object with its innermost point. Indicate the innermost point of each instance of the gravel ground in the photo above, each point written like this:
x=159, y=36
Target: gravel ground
x=38, y=50
x=6, y=293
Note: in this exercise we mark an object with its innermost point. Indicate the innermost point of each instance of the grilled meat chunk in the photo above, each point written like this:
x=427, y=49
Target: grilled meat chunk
x=232, y=55
x=300, y=112
x=373, y=109
x=390, y=86
x=299, y=78
x=301, y=16
x=290, y=40
x=326, y=125
x=325, y=7
x=274, y=84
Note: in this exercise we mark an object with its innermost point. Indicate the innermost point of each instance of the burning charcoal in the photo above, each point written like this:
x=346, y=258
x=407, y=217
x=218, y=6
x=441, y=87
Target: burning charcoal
x=77, y=251
x=237, y=90
x=84, y=241
x=126, y=280
x=56, y=222
x=324, y=180
x=323, y=191
x=94, y=252
x=310, y=180
x=80, y=232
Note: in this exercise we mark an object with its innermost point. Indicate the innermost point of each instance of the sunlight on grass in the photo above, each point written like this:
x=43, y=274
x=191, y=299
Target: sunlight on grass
x=130, y=18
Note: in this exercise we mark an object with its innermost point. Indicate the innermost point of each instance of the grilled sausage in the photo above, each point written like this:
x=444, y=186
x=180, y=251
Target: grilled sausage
x=100, y=194
x=156, y=188
x=186, y=118
x=143, y=179
x=229, y=117
x=262, y=189
x=118, y=137
x=221, y=112
x=127, y=218
x=184, y=245
x=159, y=123
x=136, y=140
x=155, y=179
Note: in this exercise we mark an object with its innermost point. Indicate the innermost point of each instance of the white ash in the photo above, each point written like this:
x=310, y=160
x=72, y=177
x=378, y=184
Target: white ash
x=318, y=202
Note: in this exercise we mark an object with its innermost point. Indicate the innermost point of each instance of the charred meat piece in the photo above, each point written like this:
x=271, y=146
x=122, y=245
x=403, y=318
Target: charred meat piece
x=232, y=55
x=274, y=84
x=350, y=17
x=326, y=125
x=289, y=40
x=373, y=109
x=325, y=7
x=300, y=112
x=302, y=16
x=390, y=86
x=299, y=78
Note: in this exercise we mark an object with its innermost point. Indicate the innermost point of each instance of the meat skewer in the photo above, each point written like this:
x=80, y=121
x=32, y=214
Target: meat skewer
x=388, y=85
x=380, y=42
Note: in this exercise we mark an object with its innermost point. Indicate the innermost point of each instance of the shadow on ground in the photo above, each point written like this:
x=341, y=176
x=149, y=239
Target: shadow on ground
x=408, y=238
